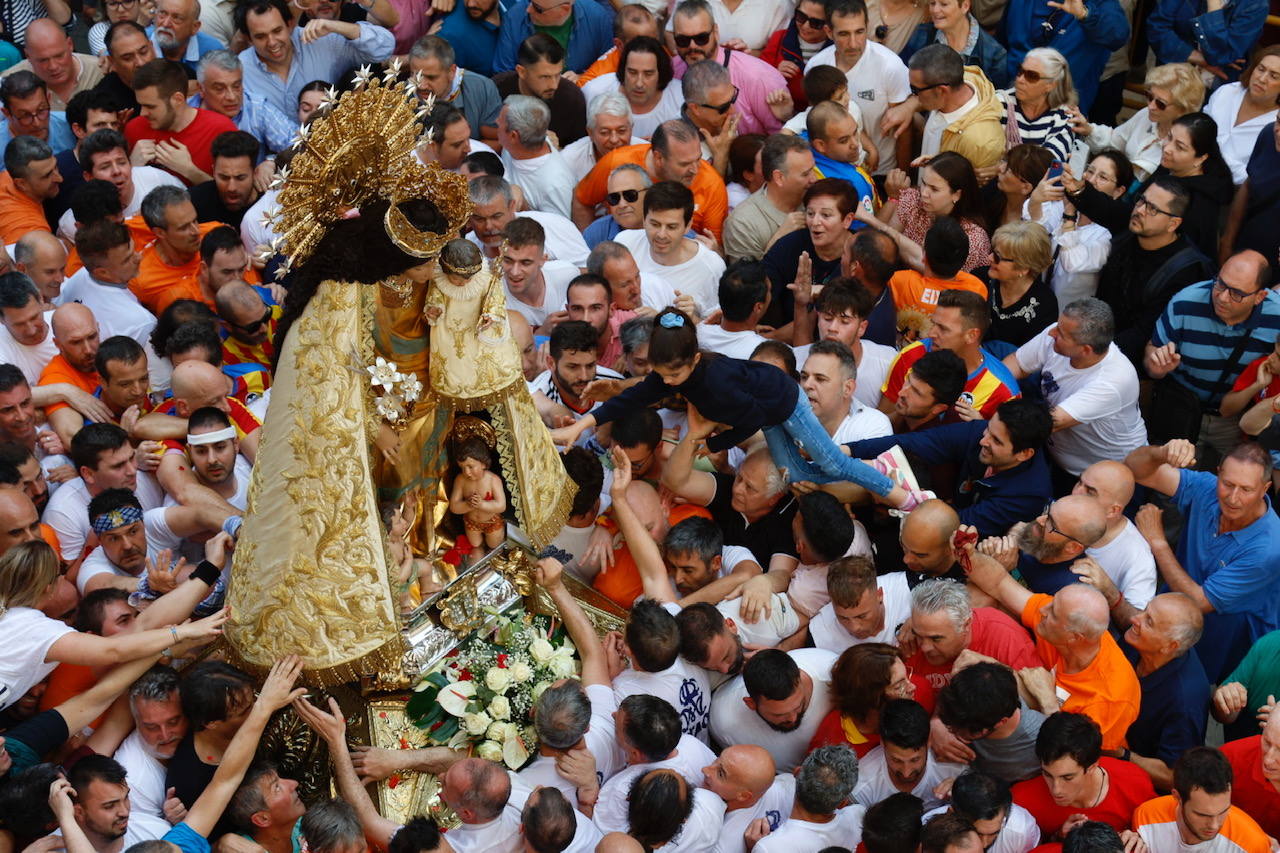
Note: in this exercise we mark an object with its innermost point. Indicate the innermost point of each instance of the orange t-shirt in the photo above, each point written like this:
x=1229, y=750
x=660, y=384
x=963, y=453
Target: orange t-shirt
x=1107, y=690
x=622, y=583
x=711, y=201
x=138, y=230
x=19, y=213
x=913, y=289
x=158, y=284
x=60, y=370
x=606, y=64
x=1157, y=822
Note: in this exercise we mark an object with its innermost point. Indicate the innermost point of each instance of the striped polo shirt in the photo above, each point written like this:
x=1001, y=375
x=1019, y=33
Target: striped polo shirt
x=1205, y=342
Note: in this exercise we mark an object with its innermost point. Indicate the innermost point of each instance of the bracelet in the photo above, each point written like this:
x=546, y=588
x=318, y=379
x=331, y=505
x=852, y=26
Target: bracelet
x=174, y=631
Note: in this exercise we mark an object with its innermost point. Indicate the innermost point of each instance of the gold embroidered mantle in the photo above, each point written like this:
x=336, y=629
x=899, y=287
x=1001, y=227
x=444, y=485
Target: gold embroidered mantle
x=310, y=574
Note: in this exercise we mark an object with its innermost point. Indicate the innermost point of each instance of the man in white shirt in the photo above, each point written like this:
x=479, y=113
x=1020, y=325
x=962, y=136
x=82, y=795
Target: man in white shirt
x=536, y=286
x=25, y=339
x=1091, y=388
x=493, y=209
x=864, y=607
x=571, y=367
x=633, y=290
x=529, y=159
x=104, y=156
x=903, y=760
x=986, y=803
x=667, y=812
x=102, y=284
x=744, y=297
x=690, y=267
x=843, y=308
x=1122, y=552
x=877, y=77
x=652, y=643
x=822, y=815
x=753, y=708
x=488, y=802
x=744, y=777
x=43, y=257
x=159, y=726
x=829, y=379
x=609, y=126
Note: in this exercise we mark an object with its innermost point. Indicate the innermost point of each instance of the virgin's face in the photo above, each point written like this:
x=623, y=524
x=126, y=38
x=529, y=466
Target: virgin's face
x=422, y=273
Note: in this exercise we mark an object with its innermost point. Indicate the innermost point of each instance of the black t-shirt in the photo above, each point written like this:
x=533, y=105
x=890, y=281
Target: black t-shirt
x=209, y=206
x=955, y=573
x=186, y=773
x=764, y=538
x=119, y=92
x=780, y=264
x=568, y=107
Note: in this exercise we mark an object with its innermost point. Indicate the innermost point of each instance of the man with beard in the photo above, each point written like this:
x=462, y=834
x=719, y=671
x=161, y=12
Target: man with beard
x=128, y=49
x=102, y=803
x=903, y=761
x=170, y=132
x=25, y=340
x=159, y=725
x=250, y=324
x=1070, y=629
x=231, y=192
x=538, y=74
x=778, y=702
x=472, y=30
x=571, y=367
x=1045, y=549
x=31, y=478
x=589, y=297
x=176, y=34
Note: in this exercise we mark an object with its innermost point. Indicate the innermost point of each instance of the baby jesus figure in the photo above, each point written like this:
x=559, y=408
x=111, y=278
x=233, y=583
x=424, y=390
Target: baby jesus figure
x=478, y=497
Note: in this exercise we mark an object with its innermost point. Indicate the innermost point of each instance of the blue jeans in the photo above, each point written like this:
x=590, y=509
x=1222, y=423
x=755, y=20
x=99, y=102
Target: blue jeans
x=828, y=464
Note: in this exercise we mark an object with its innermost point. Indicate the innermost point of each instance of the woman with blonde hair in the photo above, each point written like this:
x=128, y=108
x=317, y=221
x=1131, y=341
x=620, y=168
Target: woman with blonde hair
x=1022, y=304
x=1244, y=109
x=1173, y=91
x=1036, y=108
x=35, y=644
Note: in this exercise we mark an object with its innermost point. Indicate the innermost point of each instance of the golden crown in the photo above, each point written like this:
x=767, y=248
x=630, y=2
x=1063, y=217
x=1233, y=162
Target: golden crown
x=360, y=147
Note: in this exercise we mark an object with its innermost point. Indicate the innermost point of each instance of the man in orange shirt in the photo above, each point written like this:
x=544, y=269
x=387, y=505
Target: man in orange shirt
x=31, y=177
x=946, y=247
x=675, y=154
x=171, y=264
x=1089, y=673
x=75, y=333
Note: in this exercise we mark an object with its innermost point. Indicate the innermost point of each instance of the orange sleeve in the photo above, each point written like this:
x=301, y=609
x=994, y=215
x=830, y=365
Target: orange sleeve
x=1031, y=610
x=713, y=201
x=972, y=283
x=57, y=371
x=607, y=64
x=592, y=188
x=50, y=537
x=19, y=221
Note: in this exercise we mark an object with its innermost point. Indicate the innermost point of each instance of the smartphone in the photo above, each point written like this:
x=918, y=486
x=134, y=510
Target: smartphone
x=1055, y=170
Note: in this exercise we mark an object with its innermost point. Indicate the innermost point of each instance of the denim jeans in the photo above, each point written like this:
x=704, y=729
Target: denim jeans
x=828, y=464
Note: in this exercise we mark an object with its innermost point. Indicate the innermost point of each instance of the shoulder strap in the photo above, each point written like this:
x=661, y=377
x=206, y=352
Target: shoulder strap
x=728, y=52
x=1178, y=262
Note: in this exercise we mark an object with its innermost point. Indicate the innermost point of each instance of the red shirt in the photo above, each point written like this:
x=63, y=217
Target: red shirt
x=1129, y=787
x=1250, y=376
x=241, y=418
x=197, y=136
x=987, y=387
x=1251, y=791
x=995, y=635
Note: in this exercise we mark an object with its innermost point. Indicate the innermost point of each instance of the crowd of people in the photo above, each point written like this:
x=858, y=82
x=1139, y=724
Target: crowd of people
x=920, y=398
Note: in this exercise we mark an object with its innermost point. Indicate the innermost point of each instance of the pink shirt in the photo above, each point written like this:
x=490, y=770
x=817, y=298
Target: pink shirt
x=755, y=79
x=611, y=356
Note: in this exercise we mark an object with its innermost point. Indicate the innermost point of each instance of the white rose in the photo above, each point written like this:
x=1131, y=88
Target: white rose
x=497, y=679
x=476, y=724
x=500, y=708
x=541, y=650
x=490, y=751
x=539, y=689
x=497, y=732
x=562, y=665
x=521, y=672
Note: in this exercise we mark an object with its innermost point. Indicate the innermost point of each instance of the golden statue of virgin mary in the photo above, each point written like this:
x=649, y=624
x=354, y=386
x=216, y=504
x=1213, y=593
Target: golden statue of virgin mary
x=352, y=413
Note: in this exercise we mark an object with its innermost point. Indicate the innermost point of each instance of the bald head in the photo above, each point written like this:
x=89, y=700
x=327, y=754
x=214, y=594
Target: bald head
x=926, y=538
x=476, y=789
x=935, y=517
x=619, y=842
x=44, y=34
x=235, y=297
x=196, y=384
x=71, y=319
x=750, y=767
x=1084, y=610
x=1081, y=517
x=1111, y=482
x=1177, y=618
x=645, y=503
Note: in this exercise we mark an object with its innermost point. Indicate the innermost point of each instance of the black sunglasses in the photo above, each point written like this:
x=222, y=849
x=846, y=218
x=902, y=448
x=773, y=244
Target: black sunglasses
x=250, y=328
x=804, y=20
x=629, y=195
x=919, y=90
x=721, y=109
x=700, y=40
x=1161, y=103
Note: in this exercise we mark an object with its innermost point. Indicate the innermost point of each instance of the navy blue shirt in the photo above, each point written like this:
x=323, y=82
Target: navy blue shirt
x=992, y=503
x=1174, y=709
x=474, y=42
x=1258, y=229
x=1046, y=577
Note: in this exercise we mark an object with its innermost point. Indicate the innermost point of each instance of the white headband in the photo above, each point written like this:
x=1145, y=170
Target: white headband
x=212, y=437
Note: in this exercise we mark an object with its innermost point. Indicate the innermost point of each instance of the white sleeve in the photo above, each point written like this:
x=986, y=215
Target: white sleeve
x=731, y=556
x=897, y=83
x=159, y=535
x=1098, y=399
x=1031, y=355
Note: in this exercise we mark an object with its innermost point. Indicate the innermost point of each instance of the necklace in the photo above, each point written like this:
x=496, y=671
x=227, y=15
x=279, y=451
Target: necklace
x=1102, y=789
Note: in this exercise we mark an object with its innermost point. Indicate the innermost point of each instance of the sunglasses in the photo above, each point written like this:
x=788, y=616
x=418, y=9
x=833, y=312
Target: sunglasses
x=1160, y=103
x=1030, y=75
x=250, y=328
x=919, y=90
x=995, y=257
x=700, y=40
x=629, y=195
x=721, y=109
x=803, y=20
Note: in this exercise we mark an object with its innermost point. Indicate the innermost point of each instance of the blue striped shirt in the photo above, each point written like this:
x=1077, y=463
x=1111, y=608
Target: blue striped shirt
x=1205, y=342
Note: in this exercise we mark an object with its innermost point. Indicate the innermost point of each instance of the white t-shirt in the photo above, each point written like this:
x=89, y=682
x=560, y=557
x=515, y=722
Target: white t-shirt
x=699, y=277
x=600, y=740
x=611, y=808
x=556, y=275
x=253, y=232
x=862, y=422
x=97, y=563
x=145, y=179
x=684, y=686
x=1019, y=834
x=874, y=784
x=873, y=370
x=580, y=155
x=732, y=722
x=829, y=634
x=876, y=81
x=774, y=806
x=714, y=338
x=25, y=636
x=655, y=291
x=642, y=124
x=564, y=240
x=701, y=828
x=845, y=830
x=146, y=787
x=116, y=309
x=1129, y=563
x=31, y=360
x=1103, y=398
x=546, y=180
x=939, y=121
x=783, y=621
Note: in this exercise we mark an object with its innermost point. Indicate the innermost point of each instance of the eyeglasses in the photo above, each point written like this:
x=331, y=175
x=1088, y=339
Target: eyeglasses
x=700, y=39
x=920, y=90
x=542, y=10
x=1161, y=103
x=803, y=20
x=629, y=195
x=721, y=109
x=27, y=118
x=250, y=328
x=1234, y=294
x=1030, y=74
x=1051, y=527
x=1143, y=202
x=902, y=685
x=995, y=257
